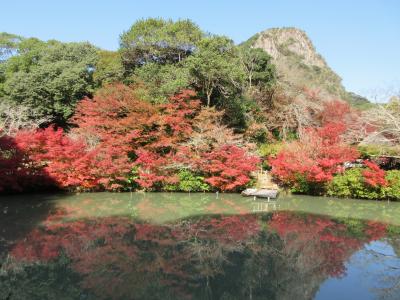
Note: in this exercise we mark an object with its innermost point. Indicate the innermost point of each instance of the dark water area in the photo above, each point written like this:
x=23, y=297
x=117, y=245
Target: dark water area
x=197, y=246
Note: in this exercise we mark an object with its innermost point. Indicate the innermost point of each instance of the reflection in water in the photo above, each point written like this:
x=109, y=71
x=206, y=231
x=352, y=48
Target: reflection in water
x=135, y=247
x=265, y=206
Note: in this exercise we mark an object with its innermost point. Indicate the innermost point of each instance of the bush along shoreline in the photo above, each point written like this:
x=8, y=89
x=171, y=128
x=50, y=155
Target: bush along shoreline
x=317, y=164
x=119, y=143
x=364, y=183
x=368, y=182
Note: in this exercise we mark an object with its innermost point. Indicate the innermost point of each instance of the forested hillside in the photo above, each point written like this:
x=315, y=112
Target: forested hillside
x=178, y=109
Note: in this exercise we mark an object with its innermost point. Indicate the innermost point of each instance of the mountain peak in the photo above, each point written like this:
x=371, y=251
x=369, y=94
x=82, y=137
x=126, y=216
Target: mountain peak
x=280, y=42
x=297, y=62
x=299, y=65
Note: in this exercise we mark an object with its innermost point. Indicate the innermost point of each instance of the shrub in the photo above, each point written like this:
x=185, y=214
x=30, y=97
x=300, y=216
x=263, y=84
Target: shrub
x=392, y=189
x=258, y=133
x=366, y=151
x=352, y=184
x=304, y=186
x=270, y=149
x=189, y=182
x=370, y=150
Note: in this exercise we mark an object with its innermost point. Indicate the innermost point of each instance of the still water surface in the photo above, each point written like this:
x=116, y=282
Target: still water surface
x=197, y=246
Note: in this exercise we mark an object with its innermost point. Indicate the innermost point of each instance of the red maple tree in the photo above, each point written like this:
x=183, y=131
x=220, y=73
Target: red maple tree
x=315, y=157
x=228, y=167
x=119, y=138
x=159, y=150
x=374, y=175
x=65, y=160
x=17, y=171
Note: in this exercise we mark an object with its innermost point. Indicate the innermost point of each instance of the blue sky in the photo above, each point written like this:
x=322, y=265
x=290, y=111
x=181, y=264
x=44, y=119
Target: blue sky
x=359, y=39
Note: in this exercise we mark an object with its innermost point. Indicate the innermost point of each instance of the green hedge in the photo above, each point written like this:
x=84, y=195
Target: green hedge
x=189, y=182
x=392, y=190
x=351, y=184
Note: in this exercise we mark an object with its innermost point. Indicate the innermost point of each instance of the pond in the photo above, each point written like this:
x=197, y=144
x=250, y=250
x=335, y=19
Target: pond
x=197, y=246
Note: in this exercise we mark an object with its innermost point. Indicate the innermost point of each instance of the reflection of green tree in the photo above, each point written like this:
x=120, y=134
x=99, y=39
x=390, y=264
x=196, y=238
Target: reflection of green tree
x=254, y=273
x=380, y=211
x=173, y=206
x=54, y=280
x=394, y=241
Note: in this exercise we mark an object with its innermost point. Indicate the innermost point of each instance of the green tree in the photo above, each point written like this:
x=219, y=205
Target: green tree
x=8, y=45
x=215, y=68
x=157, y=40
x=258, y=67
x=108, y=68
x=49, y=77
x=189, y=182
x=155, y=82
x=16, y=54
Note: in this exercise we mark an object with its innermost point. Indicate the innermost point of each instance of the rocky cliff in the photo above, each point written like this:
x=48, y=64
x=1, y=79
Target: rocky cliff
x=299, y=65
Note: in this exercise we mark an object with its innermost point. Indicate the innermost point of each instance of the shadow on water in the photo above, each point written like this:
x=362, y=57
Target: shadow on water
x=20, y=214
x=180, y=246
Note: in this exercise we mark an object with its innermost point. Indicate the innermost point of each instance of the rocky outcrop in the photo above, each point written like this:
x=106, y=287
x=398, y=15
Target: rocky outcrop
x=281, y=42
x=299, y=65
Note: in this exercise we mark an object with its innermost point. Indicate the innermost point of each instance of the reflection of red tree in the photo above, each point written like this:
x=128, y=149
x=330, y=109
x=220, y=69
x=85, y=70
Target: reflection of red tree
x=46, y=249
x=321, y=240
x=223, y=229
x=116, y=255
x=227, y=207
x=227, y=229
x=116, y=245
x=375, y=230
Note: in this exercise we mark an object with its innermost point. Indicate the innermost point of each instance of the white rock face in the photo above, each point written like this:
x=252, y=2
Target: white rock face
x=277, y=41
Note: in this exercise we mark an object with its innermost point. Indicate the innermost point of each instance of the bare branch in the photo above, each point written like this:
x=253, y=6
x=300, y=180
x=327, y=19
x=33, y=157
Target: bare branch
x=14, y=118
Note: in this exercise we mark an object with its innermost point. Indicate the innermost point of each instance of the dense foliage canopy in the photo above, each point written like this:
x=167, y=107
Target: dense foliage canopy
x=48, y=77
